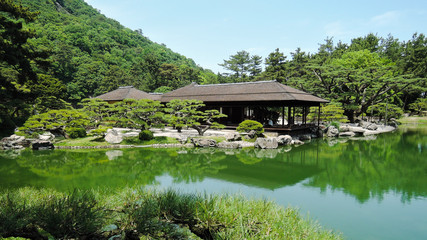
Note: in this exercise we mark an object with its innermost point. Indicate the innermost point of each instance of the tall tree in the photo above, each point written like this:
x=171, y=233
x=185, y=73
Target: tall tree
x=18, y=62
x=276, y=66
x=188, y=113
x=364, y=79
x=238, y=64
x=255, y=67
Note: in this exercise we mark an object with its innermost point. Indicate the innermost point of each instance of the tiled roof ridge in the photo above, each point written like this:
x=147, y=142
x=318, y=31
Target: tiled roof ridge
x=128, y=91
x=282, y=86
x=213, y=94
x=237, y=83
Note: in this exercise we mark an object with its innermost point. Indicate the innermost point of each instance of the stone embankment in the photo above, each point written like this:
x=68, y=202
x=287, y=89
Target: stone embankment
x=190, y=138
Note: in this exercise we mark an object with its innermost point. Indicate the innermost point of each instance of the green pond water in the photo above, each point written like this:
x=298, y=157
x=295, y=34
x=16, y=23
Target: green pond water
x=366, y=189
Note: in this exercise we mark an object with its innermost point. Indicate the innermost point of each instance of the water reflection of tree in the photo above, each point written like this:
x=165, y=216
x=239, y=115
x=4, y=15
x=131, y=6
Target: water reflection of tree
x=395, y=162
x=370, y=169
x=66, y=169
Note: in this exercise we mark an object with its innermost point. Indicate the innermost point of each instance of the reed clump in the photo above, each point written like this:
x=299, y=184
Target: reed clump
x=148, y=214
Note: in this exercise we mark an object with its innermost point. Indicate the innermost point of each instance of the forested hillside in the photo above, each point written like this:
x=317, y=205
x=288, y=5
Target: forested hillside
x=92, y=54
x=369, y=75
x=57, y=52
x=65, y=49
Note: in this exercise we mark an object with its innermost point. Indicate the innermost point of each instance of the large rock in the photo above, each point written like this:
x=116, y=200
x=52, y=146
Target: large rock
x=284, y=140
x=369, y=132
x=368, y=125
x=113, y=136
x=357, y=130
x=252, y=134
x=229, y=145
x=234, y=137
x=332, y=132
x=42, y=145
x=347, y=134
x=372, y=127
x=14, y=142
x=304, y=137
x=297, y=142
x=344, y=128
x=203, y=142
x=47, y=136
x=131, y=133
x=183, y=139
x=266, y=143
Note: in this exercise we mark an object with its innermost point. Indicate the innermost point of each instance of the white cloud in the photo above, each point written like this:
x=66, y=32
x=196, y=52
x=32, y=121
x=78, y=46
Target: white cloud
x=386, y=18
x=335, y=29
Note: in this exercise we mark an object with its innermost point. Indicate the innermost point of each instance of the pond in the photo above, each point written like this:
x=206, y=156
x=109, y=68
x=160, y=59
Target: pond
x=368, y=189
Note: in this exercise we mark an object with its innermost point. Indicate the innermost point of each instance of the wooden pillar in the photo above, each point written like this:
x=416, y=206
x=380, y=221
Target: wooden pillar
x=318, y=117
x=289, y=116
x=293, y=115
x=303, y=115
x=283, y=116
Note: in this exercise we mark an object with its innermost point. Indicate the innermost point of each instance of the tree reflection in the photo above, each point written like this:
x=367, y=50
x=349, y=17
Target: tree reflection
x=395, y=162
x=370, y=169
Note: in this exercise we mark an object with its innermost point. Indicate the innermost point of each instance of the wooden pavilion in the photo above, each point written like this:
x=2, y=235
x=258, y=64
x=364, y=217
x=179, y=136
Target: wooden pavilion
x=239, y=101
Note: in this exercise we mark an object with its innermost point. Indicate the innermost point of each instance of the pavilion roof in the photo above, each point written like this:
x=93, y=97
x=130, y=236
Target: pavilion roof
x=261, y=91
x=128, y=92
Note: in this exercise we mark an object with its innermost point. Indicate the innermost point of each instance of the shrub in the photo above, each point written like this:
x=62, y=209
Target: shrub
x=249, y=125
x=14, y=215
x=100, y=132
x=75, y=132
x=72, y=216
x=146, y=135
x=335, y=124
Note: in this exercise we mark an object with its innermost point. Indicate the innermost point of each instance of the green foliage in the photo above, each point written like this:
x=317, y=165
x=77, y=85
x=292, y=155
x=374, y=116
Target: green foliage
x=147, y=112
x=55, y=120
x=385, y=110
x=249, y=125
x=331, y=112
x=275, y=66
x=93, y=54
x=141, y=214
x=100, y=132
x=145, y=135
x=163, y=89
x=364, y=73
x=46, y=103
x=187, y=113
x=96, y=109
x=419, y=105
x=243, y=67
x=71, y=216
x=335, y=124
x=75, y=132
x=20, y=65
x=14, y=215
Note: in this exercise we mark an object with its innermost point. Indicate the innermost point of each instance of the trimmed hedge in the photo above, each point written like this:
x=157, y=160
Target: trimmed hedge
x=249, y=125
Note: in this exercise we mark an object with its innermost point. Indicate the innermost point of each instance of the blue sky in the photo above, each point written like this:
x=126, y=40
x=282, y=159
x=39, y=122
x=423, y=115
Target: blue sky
x=211, y=31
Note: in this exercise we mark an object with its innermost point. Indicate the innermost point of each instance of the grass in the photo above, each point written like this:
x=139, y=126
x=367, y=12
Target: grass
x=95, y=141
x=156, y=140
x=149, y=214
x=86, y=141
x=413, y=120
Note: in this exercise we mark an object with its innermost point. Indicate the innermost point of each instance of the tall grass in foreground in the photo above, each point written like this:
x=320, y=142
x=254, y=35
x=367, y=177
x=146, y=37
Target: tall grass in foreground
x=148, y=214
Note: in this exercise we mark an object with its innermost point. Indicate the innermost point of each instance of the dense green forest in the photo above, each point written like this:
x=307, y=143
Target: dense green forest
x=58, y=51
x=361, y=76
